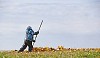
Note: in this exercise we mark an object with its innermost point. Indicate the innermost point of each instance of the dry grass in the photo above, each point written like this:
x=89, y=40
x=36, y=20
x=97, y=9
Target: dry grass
x=60, y=52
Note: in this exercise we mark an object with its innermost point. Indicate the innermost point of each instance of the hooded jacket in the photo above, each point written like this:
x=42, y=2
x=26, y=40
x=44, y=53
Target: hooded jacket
x=29, y=33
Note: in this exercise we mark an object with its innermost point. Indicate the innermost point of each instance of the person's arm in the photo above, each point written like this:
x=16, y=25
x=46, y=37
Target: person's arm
x=36, y=33
x=33, y=40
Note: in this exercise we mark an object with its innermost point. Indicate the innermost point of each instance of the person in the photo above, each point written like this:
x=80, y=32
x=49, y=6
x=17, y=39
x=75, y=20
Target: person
x=29, y=39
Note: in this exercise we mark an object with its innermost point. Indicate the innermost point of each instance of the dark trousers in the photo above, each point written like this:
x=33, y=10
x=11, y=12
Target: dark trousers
x=26, y=43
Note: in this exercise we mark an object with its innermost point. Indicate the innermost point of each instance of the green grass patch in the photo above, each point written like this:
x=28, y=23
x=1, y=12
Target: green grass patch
x=50, y=54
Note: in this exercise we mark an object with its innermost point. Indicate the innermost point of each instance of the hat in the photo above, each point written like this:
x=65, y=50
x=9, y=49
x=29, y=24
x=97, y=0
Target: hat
x=29, y=27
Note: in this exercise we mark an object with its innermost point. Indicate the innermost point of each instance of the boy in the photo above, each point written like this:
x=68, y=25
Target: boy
x=29, y=39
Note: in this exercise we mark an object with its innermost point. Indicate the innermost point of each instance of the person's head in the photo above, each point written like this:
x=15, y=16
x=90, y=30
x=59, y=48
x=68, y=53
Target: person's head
x=29, y=27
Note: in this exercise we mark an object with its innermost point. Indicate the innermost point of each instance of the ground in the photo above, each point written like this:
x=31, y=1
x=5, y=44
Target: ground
x=54, y=53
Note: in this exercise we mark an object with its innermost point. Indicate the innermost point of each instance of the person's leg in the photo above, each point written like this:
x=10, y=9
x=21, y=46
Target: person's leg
x=23, y=47
x=30, y=47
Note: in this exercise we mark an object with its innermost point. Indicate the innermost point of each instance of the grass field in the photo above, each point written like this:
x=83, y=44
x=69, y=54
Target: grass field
x=65, y=53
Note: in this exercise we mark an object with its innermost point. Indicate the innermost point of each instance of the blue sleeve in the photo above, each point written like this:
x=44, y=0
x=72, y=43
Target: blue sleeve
x=32, y=32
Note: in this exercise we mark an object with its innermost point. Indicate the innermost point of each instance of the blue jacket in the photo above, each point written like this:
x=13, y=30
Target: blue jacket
x=29, y=34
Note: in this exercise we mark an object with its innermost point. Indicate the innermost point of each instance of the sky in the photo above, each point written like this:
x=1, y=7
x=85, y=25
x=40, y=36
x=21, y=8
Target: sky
x=68, y=23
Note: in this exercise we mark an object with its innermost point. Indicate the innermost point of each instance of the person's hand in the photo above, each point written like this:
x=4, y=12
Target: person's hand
x=33, y=40
x=37, y=32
